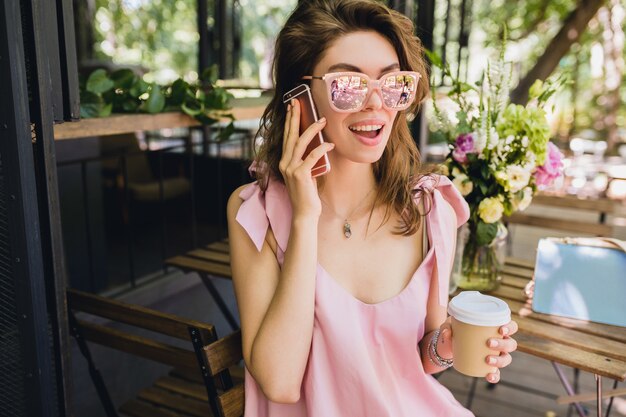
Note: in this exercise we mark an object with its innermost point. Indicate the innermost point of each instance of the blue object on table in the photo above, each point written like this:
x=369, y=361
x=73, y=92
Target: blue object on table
x=581, y=282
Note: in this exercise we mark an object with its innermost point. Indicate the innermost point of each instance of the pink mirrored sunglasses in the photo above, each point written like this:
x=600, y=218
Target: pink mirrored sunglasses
x=348, y=92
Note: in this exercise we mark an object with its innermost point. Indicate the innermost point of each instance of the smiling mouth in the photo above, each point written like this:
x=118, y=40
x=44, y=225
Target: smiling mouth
x=369, y=131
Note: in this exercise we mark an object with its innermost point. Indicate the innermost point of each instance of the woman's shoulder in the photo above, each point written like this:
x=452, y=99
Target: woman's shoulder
x=443, y=195
x=258, y=209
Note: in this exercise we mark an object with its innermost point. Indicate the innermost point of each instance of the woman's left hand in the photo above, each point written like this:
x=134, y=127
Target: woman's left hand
x=502, y=348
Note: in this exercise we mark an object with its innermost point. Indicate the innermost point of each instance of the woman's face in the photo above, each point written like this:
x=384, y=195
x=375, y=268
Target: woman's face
x=371, y=54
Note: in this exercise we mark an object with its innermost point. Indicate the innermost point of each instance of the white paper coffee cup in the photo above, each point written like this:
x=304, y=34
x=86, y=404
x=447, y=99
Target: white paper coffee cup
x=475, y=319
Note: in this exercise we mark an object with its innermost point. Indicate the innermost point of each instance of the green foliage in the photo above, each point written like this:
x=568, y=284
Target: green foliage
x=485, y=232
x=122, y=91
x=158, y=35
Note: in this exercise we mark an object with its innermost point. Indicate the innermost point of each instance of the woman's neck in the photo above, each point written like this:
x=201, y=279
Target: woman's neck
x=346, y=185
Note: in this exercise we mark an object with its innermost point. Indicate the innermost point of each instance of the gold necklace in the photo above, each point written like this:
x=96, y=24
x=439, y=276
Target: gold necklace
x=347, y=227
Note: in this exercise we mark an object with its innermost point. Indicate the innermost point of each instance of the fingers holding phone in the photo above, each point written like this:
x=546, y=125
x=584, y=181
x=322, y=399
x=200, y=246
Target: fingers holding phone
x=303, y=116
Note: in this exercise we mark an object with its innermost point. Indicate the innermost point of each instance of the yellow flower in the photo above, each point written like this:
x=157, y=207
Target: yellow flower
x=490, y=210
x=463, y=184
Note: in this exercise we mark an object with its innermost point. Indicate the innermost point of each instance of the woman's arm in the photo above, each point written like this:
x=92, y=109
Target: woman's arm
x=276, y=307
x=437, y=319
x=276, y=304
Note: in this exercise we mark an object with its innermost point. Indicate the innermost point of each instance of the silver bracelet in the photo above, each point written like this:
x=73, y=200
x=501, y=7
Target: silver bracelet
x=433, y=356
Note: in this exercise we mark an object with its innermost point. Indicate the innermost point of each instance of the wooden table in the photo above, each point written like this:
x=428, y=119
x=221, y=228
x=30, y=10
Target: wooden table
x=592, y=347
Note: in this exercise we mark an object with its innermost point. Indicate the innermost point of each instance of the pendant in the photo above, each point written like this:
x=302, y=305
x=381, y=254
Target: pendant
x=347, y=232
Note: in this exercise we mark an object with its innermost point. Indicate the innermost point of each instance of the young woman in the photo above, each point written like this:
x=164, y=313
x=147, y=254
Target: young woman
x=338, y=324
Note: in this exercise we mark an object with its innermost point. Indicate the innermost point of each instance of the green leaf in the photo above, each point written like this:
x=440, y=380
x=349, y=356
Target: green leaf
x=178, y=92
x=434, y=58
x=91, y=105
x=192, y=107
x=98, y=82
x=123, y=78
x=139, y=88
x=209, y=75
x=226, y=132
x=485, y=232
x=155, y=101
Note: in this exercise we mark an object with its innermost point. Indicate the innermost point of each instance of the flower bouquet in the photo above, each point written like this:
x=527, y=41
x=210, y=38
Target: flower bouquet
x=499, y=154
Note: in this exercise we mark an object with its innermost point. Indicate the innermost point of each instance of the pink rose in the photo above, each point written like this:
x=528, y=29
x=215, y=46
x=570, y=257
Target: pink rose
x=551, y=169
x=464, y=144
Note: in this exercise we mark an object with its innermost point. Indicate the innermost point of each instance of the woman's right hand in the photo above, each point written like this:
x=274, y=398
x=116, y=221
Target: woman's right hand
x=302, y=187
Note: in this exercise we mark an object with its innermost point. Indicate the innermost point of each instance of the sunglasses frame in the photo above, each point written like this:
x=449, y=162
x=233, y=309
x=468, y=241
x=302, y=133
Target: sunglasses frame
x=372, y=84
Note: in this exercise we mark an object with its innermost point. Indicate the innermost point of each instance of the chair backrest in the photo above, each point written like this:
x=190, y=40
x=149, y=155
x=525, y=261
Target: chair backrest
x=599, y=207
x=207, y=356
x=219, y=356
x=139, y=317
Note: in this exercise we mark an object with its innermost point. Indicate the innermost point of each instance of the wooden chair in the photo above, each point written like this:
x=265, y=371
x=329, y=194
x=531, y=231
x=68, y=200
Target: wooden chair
x=200, y=384
x=210, y=261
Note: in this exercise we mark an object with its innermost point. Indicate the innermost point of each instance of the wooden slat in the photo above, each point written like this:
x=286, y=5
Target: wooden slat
x=191, y=375
x=516, y=282
x=138, y=346
x=573, y=226
x=224, y=353
x=138, y=408
x=522, y=263
x=183, y=387
x=507, y=292
x=570, y=356
x=517, y=271
x=134, y=315
x=210, y=255
x=127, y=123
x=590, y=396
x=600, y=205
x=219, y=246
x=174, y=402
x=584, y=327
x=232, y=401
x=572, y=337
x=187, y=263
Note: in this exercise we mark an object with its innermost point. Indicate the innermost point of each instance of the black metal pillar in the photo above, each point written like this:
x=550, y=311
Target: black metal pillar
x=68, y=64
x=27, y=380
x=425, y=25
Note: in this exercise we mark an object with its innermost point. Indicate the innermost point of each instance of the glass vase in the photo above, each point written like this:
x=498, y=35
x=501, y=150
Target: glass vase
x=479, y=267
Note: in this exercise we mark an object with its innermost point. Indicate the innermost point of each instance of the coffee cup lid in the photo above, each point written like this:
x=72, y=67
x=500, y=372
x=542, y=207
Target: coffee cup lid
x=472, y=307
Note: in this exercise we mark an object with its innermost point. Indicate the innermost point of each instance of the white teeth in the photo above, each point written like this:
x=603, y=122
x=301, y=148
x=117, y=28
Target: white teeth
x=366, y=128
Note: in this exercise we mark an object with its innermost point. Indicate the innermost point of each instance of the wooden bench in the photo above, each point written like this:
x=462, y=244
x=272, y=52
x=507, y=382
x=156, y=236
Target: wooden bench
x=201, y=382
x=601, y=207
x=213, y=260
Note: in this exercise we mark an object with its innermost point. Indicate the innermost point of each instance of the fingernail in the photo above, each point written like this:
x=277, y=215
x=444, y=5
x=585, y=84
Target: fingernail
x=493, y=343
x=322, y=120
x=492, y=360
x=492, y=378
x=505, y=331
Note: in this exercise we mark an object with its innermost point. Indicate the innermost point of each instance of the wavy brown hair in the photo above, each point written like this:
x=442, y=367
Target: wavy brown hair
x=312, y=27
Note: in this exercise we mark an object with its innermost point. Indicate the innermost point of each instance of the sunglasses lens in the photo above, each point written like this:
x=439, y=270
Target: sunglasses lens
x=399, y=90
x=348, y=92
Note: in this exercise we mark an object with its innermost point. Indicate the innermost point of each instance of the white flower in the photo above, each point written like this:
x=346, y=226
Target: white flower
x=517, y=178
x=490, y=210
x=463, y=184
x=525, y=141
x=456, y=172
x=527, y=196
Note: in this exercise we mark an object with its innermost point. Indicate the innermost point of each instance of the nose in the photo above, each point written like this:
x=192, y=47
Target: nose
x=374, y=99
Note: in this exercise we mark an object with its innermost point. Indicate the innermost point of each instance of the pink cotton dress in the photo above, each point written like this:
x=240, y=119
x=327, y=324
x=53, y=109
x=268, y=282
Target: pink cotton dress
x=364, y=359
